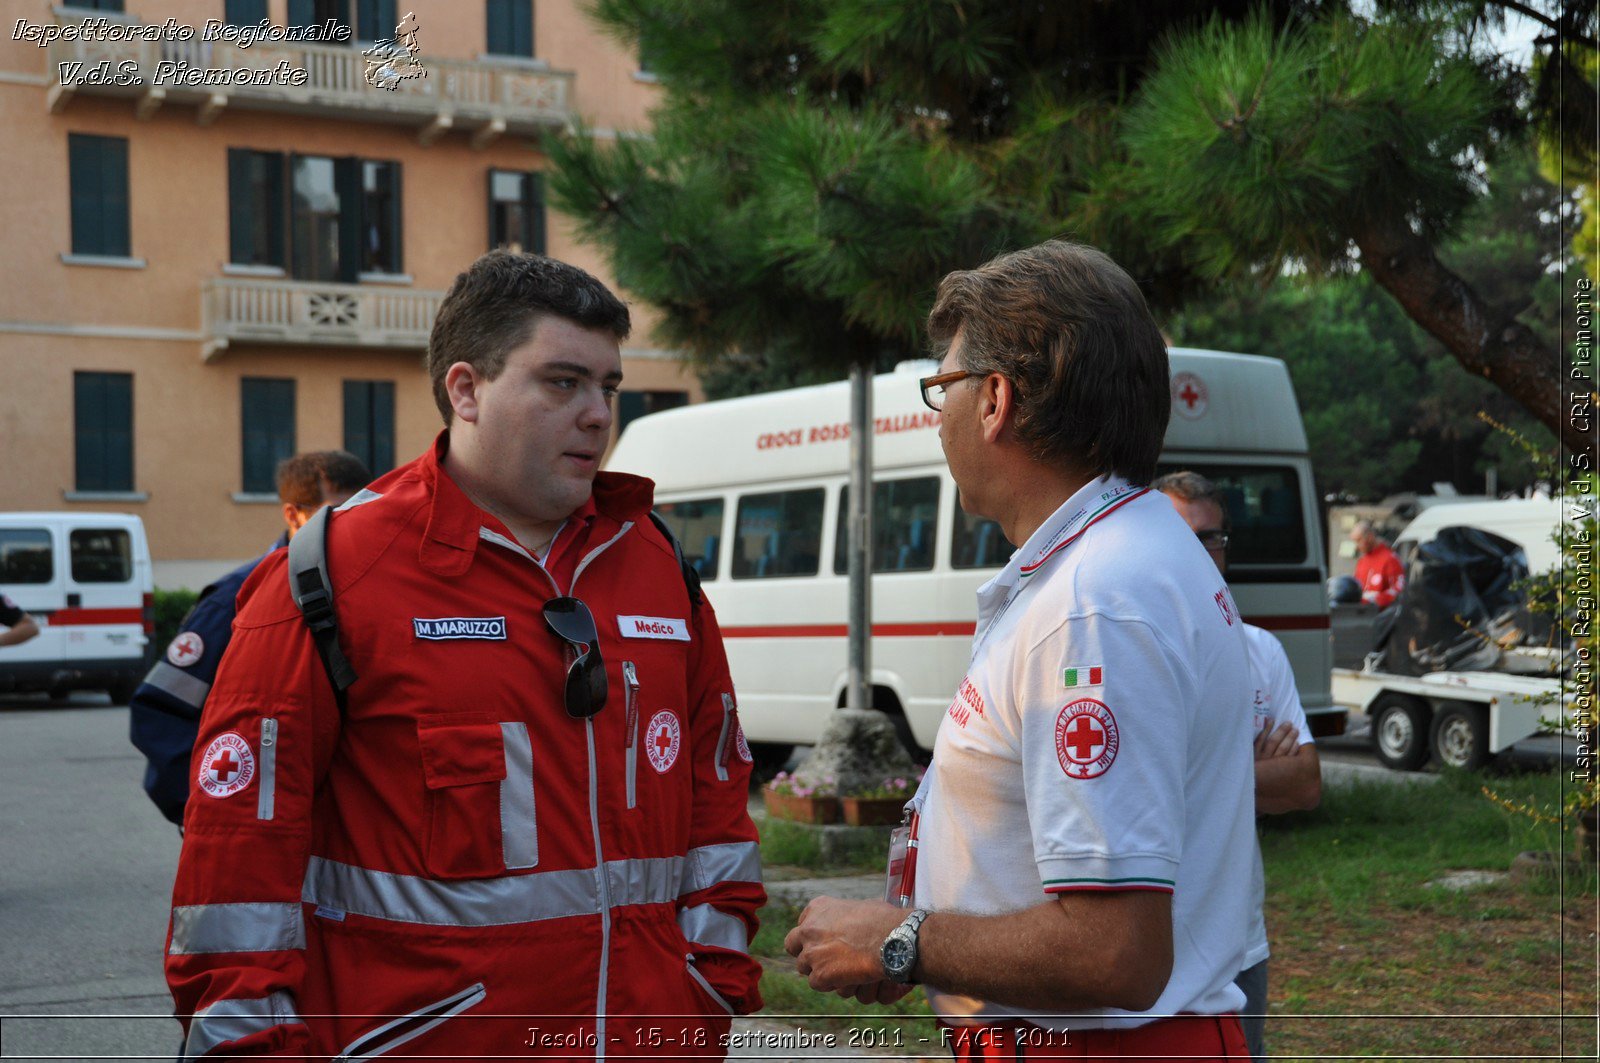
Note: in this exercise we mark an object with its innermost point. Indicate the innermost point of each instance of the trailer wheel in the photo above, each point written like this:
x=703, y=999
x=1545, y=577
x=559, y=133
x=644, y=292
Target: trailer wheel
x=1461, y=736
x=1400, y=731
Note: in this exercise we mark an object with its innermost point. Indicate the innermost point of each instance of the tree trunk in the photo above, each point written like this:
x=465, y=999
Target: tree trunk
x=858, y=692
x=1487, y=341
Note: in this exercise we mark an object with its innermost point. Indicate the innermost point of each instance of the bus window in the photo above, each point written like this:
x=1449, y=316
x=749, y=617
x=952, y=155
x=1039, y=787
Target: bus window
x=905, y=516
x=1265, y=518
x=978, y=542
x=778, y=534
x=698, y=526
x=101, y=555
x=25, y=556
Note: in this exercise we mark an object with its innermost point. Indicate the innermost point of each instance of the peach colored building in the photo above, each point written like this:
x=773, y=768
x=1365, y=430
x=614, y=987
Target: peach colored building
x=218, y=251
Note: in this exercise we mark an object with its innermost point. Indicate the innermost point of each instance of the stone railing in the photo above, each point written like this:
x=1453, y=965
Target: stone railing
x=481, y=98
x=251, y=310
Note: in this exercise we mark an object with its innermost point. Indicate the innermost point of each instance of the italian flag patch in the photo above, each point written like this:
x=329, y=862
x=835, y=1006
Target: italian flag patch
x=1084, y=675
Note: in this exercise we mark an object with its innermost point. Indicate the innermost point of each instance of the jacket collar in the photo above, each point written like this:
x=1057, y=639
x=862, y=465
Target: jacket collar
x=451, y=538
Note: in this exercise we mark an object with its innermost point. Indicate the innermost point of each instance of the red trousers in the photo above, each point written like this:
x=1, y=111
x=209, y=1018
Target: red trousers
x=1192, y=1038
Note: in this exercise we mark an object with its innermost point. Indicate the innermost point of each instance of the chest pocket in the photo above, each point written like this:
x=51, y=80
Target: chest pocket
x=480, y=796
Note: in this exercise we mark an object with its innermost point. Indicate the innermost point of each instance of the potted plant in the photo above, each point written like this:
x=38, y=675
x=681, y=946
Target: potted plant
x=879, y=805
x=802, y=800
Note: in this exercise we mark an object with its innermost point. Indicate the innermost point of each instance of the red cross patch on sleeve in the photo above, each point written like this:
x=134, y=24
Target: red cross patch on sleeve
x=1086, y=738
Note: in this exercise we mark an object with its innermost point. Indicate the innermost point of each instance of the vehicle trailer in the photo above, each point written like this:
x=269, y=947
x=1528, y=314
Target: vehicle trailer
x=1461, y=718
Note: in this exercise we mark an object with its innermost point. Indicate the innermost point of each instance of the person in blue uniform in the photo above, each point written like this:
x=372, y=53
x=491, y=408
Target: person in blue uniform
x=164, y=714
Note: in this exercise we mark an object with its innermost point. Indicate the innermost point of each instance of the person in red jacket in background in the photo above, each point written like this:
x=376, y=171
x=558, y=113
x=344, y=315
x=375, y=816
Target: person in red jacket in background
x=525, y=831
x=1379, y=571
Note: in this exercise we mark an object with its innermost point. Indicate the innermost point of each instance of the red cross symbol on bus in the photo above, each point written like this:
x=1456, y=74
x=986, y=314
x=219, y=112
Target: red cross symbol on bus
x=225, y=766
x=1085, y=736
x=1189, y=395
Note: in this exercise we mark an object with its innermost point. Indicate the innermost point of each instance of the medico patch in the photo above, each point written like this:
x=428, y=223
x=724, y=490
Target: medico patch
x=1086, y=738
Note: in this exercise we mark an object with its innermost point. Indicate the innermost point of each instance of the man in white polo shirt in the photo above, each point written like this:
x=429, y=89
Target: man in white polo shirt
x=1082, y=870
x=1288, y=773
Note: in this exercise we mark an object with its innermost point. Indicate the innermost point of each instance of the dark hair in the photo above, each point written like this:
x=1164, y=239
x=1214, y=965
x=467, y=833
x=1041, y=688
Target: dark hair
x=1192, y=487
x=1070, y=330
x=311, y=479
x=495, y=304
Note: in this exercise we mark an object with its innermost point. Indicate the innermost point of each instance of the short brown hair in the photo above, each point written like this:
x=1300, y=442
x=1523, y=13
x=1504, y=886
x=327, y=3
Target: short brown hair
x=310, y=480
x=1070, y=329
x=1192, y=487
x=495, y=304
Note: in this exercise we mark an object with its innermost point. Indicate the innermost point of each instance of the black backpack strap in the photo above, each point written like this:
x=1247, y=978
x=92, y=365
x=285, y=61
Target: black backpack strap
x=691, y=578
x=312, y=590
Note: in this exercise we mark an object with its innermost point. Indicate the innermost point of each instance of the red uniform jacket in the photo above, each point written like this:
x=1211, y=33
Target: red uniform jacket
x=455, y=864
x=1381, y=575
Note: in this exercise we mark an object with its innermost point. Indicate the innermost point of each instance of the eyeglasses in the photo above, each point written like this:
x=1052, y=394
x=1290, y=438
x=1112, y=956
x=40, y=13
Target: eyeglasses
x=935, y=399
x=1215, y=539
x=586, y=689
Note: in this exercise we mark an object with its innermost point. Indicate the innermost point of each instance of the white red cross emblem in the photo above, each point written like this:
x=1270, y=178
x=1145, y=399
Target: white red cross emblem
x=1086, y=738
x=742, y=746
x=664, y=739
x=1224, y=602
x=227, y=766
x=186, y=649
x=1189, y=396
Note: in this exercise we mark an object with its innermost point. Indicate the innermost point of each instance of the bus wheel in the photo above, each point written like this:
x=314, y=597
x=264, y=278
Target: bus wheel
x=1400, y=731
x=1461, y=736
x=769, y=759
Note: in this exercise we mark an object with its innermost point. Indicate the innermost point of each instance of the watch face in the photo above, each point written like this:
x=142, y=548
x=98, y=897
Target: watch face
x=897, y=955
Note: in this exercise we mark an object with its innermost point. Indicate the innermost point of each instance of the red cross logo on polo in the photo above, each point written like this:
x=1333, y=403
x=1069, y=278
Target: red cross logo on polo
x=1224, y=602
x=227, y=766
x=186, y=649
x=666, y=737
x=1189, y=396
x=1086, y=738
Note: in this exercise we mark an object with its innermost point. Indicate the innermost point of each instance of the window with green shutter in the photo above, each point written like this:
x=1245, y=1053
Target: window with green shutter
x=244, y=12
x=516, y=211
x=369, y=423
x=98, y=168
x=510, y=27
x=255, y=208
x=102, y=429
x=267, y=419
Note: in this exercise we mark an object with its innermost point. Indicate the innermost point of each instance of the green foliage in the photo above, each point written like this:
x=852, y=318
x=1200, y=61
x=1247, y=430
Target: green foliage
x=1263, y=147
x=170, y=609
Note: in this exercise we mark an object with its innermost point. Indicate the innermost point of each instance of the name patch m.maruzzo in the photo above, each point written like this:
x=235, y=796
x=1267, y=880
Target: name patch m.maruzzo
x=460, y=627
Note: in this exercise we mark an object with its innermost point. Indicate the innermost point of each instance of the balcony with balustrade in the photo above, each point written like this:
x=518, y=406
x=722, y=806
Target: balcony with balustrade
x=483, y=99
x=311, y=313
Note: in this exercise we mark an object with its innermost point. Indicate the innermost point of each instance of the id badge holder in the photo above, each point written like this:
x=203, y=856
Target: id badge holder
x=900, y=878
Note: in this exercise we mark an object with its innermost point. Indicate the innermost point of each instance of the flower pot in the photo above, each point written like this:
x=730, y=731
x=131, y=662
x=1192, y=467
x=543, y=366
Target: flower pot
x=872, y=811
x=817, y=808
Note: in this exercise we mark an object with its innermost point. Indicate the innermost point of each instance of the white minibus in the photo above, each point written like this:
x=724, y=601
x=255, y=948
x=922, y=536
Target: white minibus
x=85, y=578
x=755, y=489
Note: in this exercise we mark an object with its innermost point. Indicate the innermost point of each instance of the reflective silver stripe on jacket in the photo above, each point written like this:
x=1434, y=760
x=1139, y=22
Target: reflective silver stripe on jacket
x=189, y=689
x=725, y=739
x=705, y=925
x=728, y=862
x=261, y=927
x=233, y=1020
x=488, y=902
x=519, y=829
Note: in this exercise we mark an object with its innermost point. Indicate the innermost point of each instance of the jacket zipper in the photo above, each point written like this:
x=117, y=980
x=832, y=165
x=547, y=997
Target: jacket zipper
x=599, y=849
x=266, y=796
x=630, y=684
x=725, y=739
x=394, y=1034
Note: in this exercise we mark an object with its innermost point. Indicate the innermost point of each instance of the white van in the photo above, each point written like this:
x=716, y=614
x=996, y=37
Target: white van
x=755, y=489
x=1531, y=523
x=86, y=579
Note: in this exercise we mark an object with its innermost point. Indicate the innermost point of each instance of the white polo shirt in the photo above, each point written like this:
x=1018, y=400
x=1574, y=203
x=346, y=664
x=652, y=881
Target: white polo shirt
x=1097, y=744
x=1275, y=700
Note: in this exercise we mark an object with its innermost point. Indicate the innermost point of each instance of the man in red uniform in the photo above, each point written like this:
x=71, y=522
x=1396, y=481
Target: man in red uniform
x=525, y=833
x=1379, y=571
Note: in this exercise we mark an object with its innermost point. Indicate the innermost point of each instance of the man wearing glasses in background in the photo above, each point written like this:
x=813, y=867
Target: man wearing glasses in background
x=1287, y=771
x=1081, y=881
x=532, y=805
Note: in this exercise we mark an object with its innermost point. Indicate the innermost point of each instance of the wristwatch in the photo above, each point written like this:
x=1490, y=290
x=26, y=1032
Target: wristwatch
x=900, y=948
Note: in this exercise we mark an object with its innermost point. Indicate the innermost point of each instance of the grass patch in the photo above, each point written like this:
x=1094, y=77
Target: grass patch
x=1411, y=969
x=788, y=844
